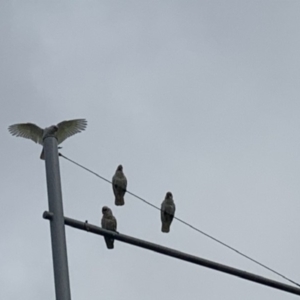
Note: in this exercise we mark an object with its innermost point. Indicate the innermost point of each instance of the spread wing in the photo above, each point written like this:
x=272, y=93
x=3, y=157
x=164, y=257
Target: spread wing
x=69, y=128
x=27, y=131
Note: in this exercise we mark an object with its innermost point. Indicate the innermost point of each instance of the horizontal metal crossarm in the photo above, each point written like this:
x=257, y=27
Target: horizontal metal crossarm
x=177, y=254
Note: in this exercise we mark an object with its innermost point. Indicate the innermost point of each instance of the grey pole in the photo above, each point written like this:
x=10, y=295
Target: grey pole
x=57, y=227
x=178, y=254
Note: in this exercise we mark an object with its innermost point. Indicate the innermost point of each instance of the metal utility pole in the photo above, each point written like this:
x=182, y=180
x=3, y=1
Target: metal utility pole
x=178, y=254
x=57, y=226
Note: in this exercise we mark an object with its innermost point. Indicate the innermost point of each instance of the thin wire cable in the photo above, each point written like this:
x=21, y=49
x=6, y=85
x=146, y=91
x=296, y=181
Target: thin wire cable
x=185, y=223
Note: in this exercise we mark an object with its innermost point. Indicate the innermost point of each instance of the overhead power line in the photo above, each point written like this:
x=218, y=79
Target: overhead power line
x=185, y=223
x=176, y=254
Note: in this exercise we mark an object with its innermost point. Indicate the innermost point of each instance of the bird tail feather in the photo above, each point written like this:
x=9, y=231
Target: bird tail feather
x=165, y=227
x=119, y=201
x=42, y=156
x=109, y=243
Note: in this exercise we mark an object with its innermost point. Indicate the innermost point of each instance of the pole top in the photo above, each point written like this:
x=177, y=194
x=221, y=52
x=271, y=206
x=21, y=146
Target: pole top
x=50, y=131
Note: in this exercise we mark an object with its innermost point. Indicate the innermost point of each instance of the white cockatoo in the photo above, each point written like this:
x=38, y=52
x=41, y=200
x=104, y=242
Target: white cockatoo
x=119, y=184
x=62, y=131
x=167, y=212
x=108, y=222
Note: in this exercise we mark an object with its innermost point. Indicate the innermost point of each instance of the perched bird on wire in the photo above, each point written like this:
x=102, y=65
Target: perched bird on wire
x=167, y=212
x=119, y=184
x=108, y=222
x=62, y=131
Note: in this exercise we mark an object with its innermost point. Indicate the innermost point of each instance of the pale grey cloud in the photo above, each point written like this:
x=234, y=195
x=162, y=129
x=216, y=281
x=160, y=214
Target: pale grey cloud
x=199, y=98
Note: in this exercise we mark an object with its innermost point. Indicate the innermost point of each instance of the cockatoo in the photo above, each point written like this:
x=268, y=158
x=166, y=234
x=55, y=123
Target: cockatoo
x=167, y=212
x=119, y=184
x=108, y=222
x=62, y=131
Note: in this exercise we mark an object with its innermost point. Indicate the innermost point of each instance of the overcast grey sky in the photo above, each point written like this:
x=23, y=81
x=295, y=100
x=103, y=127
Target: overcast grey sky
x=197, y=97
